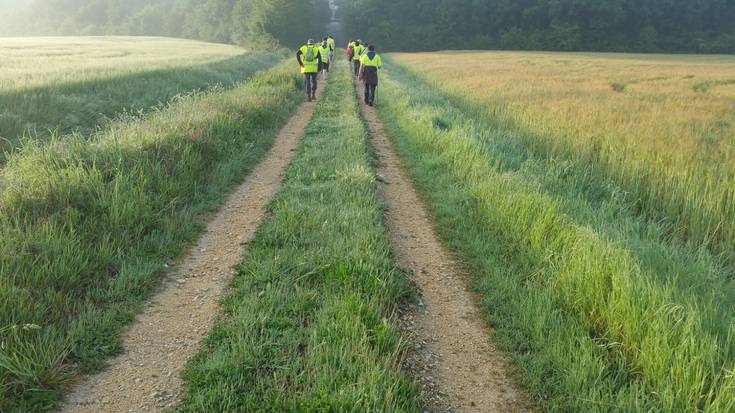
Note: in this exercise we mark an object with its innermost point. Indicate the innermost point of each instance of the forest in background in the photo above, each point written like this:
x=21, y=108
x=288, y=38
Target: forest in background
x=702, y=26
x=256, y=23
x=679, y=26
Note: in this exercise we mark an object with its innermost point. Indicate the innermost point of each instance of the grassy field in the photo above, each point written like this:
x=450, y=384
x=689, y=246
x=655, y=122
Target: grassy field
x=308, y=325
x=593, y=197
x=65, y=84
x=601, y=308
x=662, y=127
x=87, y=224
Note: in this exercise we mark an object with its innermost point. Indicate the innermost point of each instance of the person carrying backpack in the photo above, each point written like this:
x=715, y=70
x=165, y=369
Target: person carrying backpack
x=309, y=60
x=325, y=52
x=359, y=50
x=370, y=64
x=350, y=51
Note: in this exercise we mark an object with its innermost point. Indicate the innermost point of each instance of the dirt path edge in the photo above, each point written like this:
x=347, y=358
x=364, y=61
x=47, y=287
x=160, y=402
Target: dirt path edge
x=451, y=353
x=147, y=376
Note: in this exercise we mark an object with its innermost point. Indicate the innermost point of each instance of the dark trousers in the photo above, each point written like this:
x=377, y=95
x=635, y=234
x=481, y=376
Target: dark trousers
x=310, y=84
x=357, y=67
x=370, y=92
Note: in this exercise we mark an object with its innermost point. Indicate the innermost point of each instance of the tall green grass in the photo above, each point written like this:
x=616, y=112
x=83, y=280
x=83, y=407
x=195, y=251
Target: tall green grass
x=87, y=225
x=82, y=105
x=660, y=126
x=308, y=326
x=600, y=308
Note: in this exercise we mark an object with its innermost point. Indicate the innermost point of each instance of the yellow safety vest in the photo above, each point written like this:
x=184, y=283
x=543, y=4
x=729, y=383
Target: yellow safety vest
x=324, y=51
x=310, y=66
x=331, y=43
x=359, y=50
x=376, y=61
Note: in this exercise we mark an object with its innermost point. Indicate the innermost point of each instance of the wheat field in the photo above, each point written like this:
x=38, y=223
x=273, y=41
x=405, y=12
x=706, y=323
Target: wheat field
x=597, y=224
x=29, y=62
x=662, y=126
x=60, y=85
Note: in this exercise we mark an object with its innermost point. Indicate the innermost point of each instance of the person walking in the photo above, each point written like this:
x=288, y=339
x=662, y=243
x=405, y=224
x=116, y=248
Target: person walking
x=370, y=64
x=359, y=50
x=332, y=47
x=309, y=60
x=350, y=51
x=325, y=51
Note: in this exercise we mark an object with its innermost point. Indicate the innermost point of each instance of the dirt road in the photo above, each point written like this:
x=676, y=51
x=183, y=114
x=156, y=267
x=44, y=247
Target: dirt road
x=453, y=356
x=147, y=376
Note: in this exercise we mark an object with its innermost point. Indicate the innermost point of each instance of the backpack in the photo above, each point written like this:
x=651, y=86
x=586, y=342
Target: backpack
x=351, y=52
x=310, y=54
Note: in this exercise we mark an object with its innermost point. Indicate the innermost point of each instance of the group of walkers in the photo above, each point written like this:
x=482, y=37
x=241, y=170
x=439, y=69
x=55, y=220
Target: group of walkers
x=313, y=59
x=366, y=63
x=317, y=58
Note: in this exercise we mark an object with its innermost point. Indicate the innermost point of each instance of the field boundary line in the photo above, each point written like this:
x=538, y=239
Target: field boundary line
x=147, y=376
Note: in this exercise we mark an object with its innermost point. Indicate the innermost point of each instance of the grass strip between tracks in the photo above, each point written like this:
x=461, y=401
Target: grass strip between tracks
x=601, y=314
x=87, y=225
x=308, y=325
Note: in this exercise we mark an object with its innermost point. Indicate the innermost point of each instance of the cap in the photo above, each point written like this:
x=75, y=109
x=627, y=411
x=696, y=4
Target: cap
x=310, y=42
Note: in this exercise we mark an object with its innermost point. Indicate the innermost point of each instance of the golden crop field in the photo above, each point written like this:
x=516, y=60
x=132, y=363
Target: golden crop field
x=661, y=125
x=593, y=196
x=40, y=61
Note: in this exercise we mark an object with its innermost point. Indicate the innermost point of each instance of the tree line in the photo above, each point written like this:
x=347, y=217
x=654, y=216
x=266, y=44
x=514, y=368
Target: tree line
x=255, y=23
x=702, y=26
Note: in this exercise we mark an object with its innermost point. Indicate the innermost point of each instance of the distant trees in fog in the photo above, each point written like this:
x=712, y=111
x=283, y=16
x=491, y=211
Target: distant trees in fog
x=705, y=26
x=258, y=23
x=702, y=26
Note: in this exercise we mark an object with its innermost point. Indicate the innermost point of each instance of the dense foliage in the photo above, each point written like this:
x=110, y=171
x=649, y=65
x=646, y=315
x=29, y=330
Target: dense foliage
x=704, y=26
x=225, y=21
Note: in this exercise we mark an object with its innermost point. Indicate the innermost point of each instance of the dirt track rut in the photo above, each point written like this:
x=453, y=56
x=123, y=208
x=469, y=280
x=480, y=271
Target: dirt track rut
x=452, y=351
x=147, y=376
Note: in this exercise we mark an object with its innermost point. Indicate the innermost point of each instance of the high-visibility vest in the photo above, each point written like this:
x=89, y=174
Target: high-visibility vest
x=376, y=61
x=331, y=43
x=359, y=50
x=310, y=66
x=324, y=51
